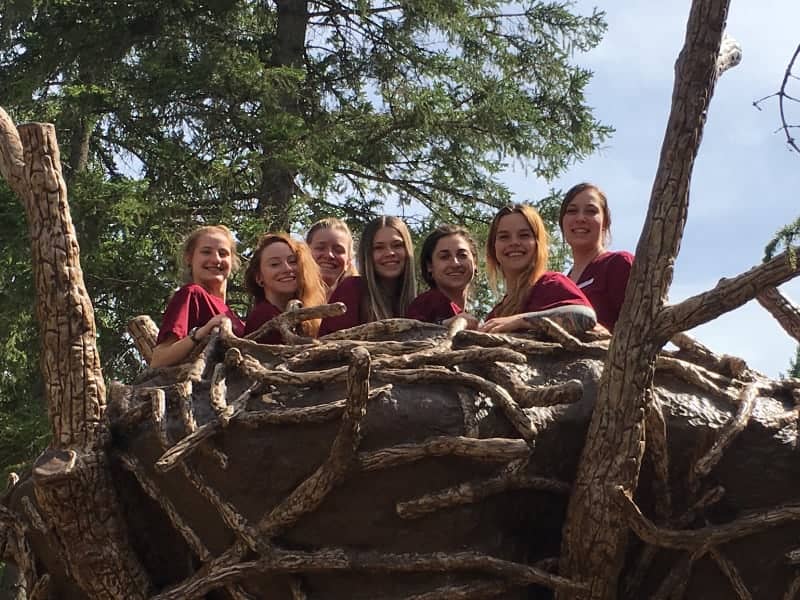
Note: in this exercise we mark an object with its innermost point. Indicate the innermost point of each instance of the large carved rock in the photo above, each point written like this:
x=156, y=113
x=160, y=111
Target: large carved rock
x=400, y=469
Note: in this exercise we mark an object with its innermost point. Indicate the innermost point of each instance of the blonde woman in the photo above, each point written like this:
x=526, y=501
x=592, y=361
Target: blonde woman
x=209, y=257
x=332, y=248
x=516, y=251
x=387, y=285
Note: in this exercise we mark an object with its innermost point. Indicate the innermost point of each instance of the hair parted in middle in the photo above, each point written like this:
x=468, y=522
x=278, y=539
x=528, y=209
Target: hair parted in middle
x=310, y=288
x=601, y=196
x=429, y=246
x=517, y=290
x=338, y=225
x=381, y=303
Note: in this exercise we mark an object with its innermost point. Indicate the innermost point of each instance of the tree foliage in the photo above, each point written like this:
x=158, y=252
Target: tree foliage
x=266, y=116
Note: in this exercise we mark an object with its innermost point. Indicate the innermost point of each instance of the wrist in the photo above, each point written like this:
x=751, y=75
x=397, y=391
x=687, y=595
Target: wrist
x=193, y=335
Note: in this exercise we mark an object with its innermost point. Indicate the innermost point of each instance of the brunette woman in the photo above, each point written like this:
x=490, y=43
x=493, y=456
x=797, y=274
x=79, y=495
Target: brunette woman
x=386, y=286
x=281, y=269
x=516, y=252
x=209, y=257
x=448, y=264
x=585, y=221
x=331, y=244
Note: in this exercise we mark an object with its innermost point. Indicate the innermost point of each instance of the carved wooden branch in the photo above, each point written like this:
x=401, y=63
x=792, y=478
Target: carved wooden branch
x=727, y=295
x=484, y=450
x=712, y=535
x=285, y=321
x=144, y=333
x=784, y=310
x=311, y=492
x=730, y=366
x=512, y=477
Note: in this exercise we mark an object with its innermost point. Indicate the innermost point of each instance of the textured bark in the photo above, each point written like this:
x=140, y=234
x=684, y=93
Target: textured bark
x=72, y=484
x=784, y=310
x=595, y=533
x=144, y=333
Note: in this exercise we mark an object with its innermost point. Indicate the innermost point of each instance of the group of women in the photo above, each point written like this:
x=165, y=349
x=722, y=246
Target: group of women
x=322, y=270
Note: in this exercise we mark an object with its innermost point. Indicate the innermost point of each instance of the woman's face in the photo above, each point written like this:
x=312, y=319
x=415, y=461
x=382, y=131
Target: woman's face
x=514, y=244
x=452, y=265
x=211, y=260
x=583, y=221
x=278, y=273
x=331, y=251
x=388, y=253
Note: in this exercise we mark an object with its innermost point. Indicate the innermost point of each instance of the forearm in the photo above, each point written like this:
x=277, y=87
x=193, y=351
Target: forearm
x=171, y=352
x=574, y=318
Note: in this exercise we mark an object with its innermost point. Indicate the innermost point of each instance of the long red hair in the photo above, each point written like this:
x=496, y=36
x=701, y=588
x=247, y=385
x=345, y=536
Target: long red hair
x=310, y=287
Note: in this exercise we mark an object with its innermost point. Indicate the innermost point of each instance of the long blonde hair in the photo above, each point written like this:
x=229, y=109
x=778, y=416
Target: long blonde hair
x=310, y=288
x=518, y=288
x=381, y=304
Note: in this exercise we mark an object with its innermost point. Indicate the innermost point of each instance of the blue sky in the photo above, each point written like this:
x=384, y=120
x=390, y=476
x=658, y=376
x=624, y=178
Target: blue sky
x=745, y=181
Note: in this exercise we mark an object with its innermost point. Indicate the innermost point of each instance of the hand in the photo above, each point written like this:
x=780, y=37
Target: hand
x=472, y=320
x=503, y=324
x=206, y=329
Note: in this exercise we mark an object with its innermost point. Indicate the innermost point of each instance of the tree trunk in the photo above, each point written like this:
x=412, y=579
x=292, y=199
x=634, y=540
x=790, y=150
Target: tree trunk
x=278, y=186
x=71, y=479
x=596, y=531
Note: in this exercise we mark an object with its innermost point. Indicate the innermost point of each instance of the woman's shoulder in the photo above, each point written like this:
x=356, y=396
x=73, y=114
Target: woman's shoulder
x=616, y=257
x=348, y=287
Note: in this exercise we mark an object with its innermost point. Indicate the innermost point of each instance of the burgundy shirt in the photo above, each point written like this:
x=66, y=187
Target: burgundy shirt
x=552, y=290
x=604, y=281
x=433, y=307
x=351, y=291
x=262, y=312
x=192, y=306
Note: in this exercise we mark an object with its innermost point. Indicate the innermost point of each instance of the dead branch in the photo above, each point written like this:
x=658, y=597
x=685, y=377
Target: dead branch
x=289, y=319
x=729, y=432
x=469, y=591
x=340, y=560
x=513, y=477
x=657, y=449
x=386, y=328
x=340, y=350
x=253, y=369
x=786, y=312
x=513, y=412
x=311, y=492
x=484, y=450
x=729, y=366
x=731, y=573
x=727, y=295
x=712, y=535
x=144, y=333
x=453, y=358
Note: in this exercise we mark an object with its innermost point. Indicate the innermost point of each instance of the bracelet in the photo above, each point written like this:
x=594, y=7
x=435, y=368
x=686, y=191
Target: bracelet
x=193, y=335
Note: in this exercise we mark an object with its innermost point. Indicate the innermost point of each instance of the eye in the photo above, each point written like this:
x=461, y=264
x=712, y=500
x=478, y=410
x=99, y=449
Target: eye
x=292, y=260
x=340, y=250
x=571, y=210
x=396, y=245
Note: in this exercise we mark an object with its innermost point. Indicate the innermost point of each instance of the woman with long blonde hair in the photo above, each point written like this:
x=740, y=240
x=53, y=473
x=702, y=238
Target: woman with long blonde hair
x=332, y=247
x=386, y=286
x=517, y=253
x=282, y=269
x=208, y=259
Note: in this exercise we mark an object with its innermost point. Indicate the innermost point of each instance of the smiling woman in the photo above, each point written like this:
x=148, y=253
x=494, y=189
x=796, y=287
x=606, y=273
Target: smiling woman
x=585, y=221
x=209, y=256
x=516, y=251
x=387, y=286
x=448, y=263
x=282, y=269
x=331, y=244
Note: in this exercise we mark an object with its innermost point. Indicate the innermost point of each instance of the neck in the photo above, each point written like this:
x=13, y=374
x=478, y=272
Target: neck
x=456, y=296
x=215, y=290
x=581, y=257
x=279, y=301
x=391, y=286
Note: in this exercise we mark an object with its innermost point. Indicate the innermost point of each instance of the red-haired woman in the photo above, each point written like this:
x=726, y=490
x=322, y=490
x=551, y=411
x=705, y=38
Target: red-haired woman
x=386, y=286
x=516, y=251
x=448, y=264
x=585, y=221
x=281, y=269
x=209, y=257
